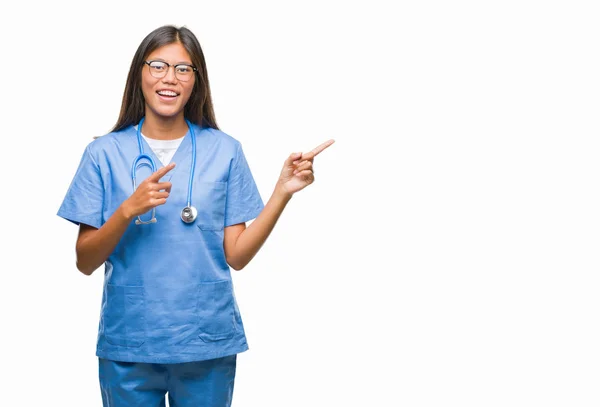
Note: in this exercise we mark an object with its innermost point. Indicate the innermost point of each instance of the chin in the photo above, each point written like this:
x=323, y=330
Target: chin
x=167, y=113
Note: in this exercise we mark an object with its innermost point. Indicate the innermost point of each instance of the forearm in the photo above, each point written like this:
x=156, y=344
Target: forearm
x=94, y=246
x=254, y=236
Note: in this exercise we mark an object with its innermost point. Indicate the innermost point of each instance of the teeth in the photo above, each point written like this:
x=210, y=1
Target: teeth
x=167, y=93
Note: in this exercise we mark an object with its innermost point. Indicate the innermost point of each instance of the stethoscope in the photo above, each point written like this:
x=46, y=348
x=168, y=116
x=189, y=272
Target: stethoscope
x=189, y=213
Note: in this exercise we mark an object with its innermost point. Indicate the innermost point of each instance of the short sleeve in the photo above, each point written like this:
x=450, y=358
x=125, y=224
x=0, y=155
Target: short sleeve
x=83, y=202
x=243, y=199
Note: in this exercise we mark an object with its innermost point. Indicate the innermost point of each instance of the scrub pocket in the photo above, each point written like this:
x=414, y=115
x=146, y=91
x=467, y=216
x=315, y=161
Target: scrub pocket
x=209, y=198
x=216, y=311
x=123, y=315
x=211, y=215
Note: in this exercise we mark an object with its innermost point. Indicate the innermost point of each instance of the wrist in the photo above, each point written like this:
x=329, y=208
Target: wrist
x=281, y=193
x=125, y=212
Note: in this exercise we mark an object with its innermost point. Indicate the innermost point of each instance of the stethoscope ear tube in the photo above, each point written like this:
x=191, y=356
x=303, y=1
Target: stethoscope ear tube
x=136, y=164
x=139, y=221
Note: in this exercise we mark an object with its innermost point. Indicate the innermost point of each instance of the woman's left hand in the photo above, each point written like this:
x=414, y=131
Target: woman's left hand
x=297, y=172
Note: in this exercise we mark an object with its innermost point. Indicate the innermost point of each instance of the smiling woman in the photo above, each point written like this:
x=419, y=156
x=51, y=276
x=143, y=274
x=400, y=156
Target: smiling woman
x=181, y=341
x=166, y=91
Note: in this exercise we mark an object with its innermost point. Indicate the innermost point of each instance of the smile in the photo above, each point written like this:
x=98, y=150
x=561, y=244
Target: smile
x=167, y=93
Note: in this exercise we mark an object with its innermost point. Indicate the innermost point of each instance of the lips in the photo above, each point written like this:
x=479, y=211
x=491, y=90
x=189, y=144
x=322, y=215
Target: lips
x=167, y=93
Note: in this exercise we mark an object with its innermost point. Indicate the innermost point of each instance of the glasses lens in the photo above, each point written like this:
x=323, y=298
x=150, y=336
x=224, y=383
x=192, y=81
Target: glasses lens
x=158, y=69
x=184, y=72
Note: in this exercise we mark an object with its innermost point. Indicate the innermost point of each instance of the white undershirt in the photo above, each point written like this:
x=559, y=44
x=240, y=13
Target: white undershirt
x=164, y=149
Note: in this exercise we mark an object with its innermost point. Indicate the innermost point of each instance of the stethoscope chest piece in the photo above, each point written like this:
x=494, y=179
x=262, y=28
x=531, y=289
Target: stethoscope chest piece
x=189, y=214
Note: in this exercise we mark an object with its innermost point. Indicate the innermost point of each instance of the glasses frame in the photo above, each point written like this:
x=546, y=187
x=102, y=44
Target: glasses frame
x=194, y=69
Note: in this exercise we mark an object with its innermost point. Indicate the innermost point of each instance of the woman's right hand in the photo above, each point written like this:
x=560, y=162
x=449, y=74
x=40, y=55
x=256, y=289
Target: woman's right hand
x=149, y=194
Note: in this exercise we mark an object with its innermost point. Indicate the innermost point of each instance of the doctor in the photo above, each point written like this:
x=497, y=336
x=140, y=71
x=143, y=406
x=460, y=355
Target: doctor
x=162, y=202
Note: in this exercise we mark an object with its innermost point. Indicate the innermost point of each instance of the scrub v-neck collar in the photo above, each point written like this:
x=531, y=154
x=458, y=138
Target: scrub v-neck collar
x=181, y=158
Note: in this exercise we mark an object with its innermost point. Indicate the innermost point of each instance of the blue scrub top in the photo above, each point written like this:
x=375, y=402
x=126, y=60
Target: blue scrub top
x=168, y=295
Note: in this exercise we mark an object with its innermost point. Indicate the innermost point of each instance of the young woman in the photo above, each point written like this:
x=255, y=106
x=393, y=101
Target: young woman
x=168, y=234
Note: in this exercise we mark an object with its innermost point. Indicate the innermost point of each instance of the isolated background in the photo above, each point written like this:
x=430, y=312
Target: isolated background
x=447, y=253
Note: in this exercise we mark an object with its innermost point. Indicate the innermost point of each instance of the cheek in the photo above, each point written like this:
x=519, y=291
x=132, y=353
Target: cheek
x=188, y=92
x=146, y=88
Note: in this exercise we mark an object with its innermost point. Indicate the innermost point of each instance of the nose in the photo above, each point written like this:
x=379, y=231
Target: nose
x=170, y=75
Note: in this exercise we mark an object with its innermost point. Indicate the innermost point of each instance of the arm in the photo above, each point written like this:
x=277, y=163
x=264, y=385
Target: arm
x=95, y=245
x=241, y=243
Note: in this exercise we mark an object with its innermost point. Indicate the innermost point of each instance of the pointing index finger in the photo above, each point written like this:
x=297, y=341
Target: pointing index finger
x=313, y=153
x=161, y=172
x=322, y=147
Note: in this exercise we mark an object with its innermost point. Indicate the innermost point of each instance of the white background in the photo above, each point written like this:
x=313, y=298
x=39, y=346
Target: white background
x=447, y=254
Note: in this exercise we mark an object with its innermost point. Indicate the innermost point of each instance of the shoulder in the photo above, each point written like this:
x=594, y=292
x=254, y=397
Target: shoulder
x=109, y=141
x=218, y=135
x=224, y=141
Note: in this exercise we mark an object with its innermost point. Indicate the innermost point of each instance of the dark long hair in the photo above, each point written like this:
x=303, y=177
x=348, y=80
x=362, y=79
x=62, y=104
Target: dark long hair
x=198, y=109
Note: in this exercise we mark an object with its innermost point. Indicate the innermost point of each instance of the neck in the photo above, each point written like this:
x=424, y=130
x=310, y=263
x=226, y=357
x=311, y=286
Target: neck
x=160, y=128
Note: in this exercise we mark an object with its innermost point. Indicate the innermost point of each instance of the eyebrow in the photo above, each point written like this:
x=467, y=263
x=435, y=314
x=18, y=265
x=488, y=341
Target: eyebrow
x=176, y=63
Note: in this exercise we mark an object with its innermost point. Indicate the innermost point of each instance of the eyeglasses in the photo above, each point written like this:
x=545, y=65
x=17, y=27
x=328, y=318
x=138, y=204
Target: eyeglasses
x=159, y=69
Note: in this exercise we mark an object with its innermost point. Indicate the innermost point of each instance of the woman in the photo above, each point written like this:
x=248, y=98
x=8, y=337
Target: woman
x=168, y=236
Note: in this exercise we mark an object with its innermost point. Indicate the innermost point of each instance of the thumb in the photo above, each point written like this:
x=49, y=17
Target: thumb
x=293, y=157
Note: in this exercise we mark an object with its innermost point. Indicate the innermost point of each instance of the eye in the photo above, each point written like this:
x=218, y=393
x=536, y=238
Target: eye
x=158, y=66
x=184, y=69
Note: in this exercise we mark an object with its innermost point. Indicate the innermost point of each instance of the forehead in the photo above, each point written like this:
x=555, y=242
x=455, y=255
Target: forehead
x=173, y=53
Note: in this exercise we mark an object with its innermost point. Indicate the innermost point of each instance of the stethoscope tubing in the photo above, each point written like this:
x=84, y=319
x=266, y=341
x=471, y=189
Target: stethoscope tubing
x=150, y=163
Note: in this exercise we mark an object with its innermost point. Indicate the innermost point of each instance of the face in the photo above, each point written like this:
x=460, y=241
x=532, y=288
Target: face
x=166, y=97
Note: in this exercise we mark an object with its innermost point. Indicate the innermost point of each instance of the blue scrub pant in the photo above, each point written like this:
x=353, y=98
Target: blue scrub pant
x=208, y=383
